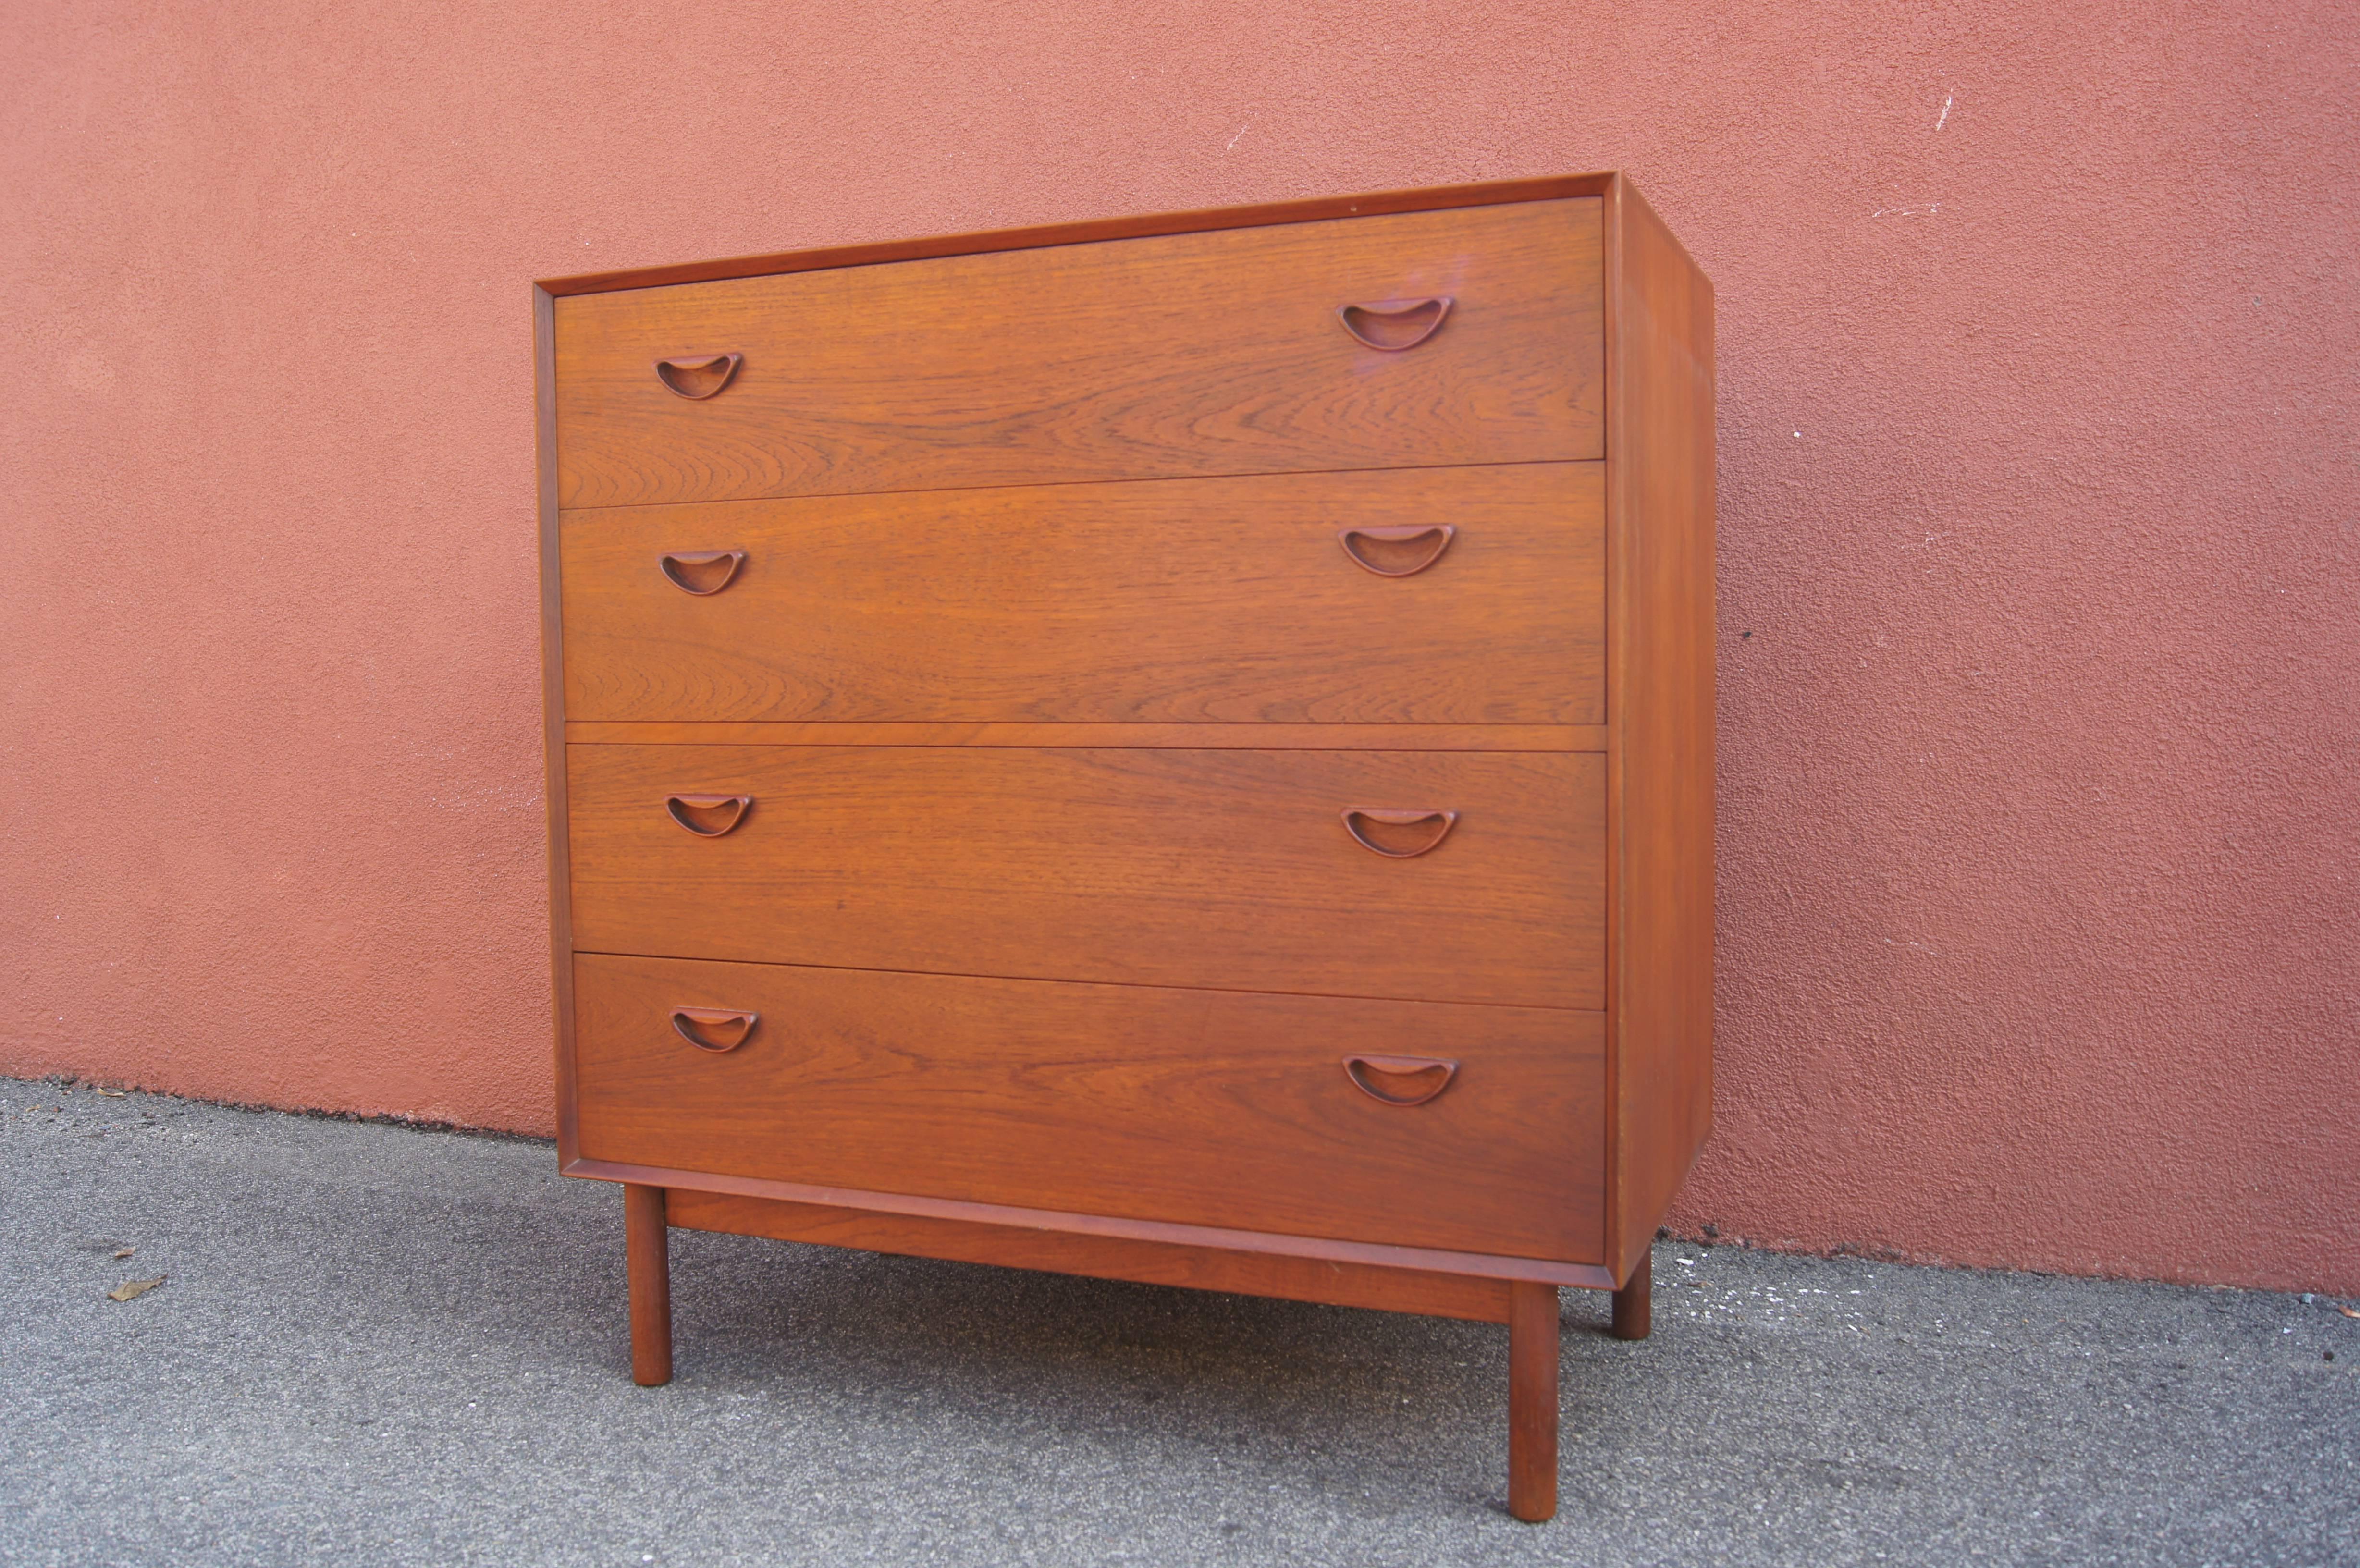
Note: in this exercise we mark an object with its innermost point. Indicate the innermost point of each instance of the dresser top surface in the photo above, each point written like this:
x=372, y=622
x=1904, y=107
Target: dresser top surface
x=1428, y=199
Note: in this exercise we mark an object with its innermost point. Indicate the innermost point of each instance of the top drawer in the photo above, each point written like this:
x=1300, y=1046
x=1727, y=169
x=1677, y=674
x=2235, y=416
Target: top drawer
x=1182, y=355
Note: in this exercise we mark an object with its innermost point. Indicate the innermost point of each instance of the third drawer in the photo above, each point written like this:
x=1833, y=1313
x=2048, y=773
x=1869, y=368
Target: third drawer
x=1457, y=876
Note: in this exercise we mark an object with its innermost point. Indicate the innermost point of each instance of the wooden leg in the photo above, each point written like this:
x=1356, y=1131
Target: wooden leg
x=647, y=1261
x=1633, y=1313
x=1532, y=1401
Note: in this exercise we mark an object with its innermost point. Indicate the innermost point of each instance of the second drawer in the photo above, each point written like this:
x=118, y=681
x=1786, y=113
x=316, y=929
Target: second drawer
x=1233, y=869
x=1441, y=595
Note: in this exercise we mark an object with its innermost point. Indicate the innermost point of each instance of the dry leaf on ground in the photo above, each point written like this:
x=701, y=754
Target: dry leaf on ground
x=112, y=1093
x=125, y=1253
x=2348, y=1313
x=136, y=1288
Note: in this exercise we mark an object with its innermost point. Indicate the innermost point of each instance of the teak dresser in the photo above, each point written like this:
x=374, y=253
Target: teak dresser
x=1177, y=749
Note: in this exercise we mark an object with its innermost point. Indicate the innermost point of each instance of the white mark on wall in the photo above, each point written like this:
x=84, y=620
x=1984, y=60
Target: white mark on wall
x=1233, y=141
x=1945, y=120
x=1911, y=209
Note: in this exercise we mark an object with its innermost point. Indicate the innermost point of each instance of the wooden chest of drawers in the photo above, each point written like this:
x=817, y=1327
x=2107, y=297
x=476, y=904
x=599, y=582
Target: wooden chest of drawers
x=1177, y=749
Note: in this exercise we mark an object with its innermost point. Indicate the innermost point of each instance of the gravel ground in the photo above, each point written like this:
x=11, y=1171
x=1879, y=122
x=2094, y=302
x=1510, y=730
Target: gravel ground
x=379, y=1344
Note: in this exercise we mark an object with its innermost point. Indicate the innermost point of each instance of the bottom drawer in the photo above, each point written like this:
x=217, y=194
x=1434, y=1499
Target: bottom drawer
x=1199, y=1107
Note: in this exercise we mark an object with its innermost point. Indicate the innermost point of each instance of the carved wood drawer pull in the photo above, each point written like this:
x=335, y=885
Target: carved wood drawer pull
x=1400, y=1079
x=699, y=378
x=1398, y=835
x=708, y=816
x=1393, y=326
x=702, y=572
x=713, y=1029
x=1396, y=553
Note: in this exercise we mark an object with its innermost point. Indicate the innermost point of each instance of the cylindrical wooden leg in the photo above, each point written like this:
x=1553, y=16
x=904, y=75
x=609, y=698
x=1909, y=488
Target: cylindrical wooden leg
x=647, y=1254
x=1634, y=1312
x=1532, y=1401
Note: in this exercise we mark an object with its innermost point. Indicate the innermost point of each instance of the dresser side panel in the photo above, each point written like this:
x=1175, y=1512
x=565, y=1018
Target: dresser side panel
x=553, y=704
x=1660, y=531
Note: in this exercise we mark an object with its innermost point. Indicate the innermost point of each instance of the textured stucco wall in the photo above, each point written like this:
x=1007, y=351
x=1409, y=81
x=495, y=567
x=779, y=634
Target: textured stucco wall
x=2040, y=508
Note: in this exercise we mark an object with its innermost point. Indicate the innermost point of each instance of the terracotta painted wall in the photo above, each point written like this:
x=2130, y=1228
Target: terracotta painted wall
x=2040, y=509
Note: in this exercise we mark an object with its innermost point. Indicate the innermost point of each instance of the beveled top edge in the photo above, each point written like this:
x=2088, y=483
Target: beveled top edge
x=1426, y=198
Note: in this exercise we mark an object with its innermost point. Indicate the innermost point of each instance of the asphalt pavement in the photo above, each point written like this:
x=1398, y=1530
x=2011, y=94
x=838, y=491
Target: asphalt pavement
x=378, y=1344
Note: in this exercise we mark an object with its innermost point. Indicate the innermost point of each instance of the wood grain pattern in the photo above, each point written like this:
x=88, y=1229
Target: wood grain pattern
x=1123, y=1100
x=1188, y=355
x=1160, y=737
x=1660, y=488
x=1230, y=869
x=1294, y=1279
x=1177, y=601
x=1090, y=231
